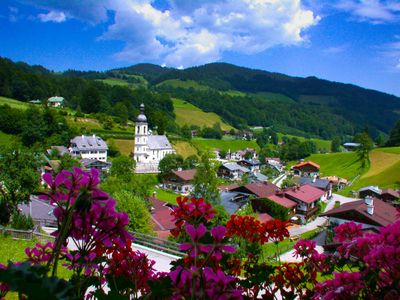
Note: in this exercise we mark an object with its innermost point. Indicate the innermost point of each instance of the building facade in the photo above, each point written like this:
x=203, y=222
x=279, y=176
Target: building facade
x=149, y=149
x=89, y=147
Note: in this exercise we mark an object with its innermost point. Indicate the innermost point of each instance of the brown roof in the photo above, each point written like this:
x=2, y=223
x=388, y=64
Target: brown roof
x=282, y=200
x=228, y=187
x=161, y=215
x=260, y=189
x=304, y=163
x=186, y=175
x=390, y=192
x=383, y=214
x=336, y=179
x=305, y=193
x=264, y=217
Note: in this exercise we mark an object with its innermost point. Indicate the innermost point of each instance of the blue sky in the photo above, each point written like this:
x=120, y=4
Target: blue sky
x=349, y=41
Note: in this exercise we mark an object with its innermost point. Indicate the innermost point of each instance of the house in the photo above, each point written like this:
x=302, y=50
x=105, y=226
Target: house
x=41, y=211
x=90, y=147
x=149, y=149
x=257, y=189
x=258, y=177
x=59, y=150
x=307, y=198
x=180, y=181
x=279, y=198
x=232, y=201
x=390, y=196
x=55, y=101
x=232, y=171
x=337, y=183
x=88, y=164
x=252, y=164
x=351, y=146
x=373, y=191
x=274, y=162
x=371, y=213
x=322, y=184
x=161, y=217
x=306, y=168
x=37, y=101
x=241, y=154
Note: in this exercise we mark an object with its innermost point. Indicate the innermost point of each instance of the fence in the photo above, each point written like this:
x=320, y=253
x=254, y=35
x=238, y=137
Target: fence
x=146, y=240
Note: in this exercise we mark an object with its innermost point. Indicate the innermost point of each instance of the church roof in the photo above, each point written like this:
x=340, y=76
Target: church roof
x=141, y=117
x=158, y=142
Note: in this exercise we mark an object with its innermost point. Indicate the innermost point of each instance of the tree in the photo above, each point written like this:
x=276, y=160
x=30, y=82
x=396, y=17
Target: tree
x=122, y=167
x=137, y=210
x=91, y=99
x=335, y=145
x=205, y=181
x=67, y=162
x=186, y=132
x=288, y=182
x=223, y=153
x=394, y=138
x=365, y=147
x=19, y=178
x=121, y=112
x=190, y=162
x=170, y=162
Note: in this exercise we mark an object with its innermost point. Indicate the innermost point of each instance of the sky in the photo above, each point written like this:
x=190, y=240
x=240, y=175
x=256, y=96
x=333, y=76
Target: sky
x=350, y=41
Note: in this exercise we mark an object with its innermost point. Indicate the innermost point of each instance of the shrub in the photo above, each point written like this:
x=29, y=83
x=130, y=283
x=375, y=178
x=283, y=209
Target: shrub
x=21, y=221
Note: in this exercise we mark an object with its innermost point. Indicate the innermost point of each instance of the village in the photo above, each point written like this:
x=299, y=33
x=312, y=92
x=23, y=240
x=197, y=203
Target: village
x=268, y=189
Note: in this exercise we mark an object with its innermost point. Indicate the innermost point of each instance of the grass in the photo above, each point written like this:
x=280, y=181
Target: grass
x=124, y=146
x=343, y=164
x=185, y=84
x=322, y=145
x=6, y=139
x=114, y=81
x=83, y=123
x=232, y=145
x=166, y=196
x=267, y=96
x=14, y=103
x=184, y=148
x=188, y=114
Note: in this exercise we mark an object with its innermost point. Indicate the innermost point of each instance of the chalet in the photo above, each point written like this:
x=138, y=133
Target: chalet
x=232, y=201
x=88, y=164
x=161, y=217
x=90, y=147
x=351, y=146
x=257, y=189
x=252, y=164
x=390, y=196
x=322, y=184
x=41, y=211
x=274, y=162
x=337, y=183
x=258, y=177
x=306, y=168
x=232, y=171
x=37, y=101
x=180, y=181
x=59, y=150
x=55, y=101
x=279, y=198
x=307, y=198
x=371, y=213
x=241, y=154
x=373, y=191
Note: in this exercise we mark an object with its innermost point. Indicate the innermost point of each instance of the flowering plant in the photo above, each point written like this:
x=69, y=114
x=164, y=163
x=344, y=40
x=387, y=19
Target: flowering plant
x=221, y=262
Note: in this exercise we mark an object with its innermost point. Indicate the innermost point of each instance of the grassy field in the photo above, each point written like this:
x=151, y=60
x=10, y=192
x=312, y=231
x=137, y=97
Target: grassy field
x=83, y=123
x=14, y=103
x=166, y=196
x=185, y=84
x=322, y=145
x=124, y=146
x=267, y=96
x=189, y=114
x=184, y=148
x=114, y=81
x=343, y=164
x=6, y=139
x=232, y=145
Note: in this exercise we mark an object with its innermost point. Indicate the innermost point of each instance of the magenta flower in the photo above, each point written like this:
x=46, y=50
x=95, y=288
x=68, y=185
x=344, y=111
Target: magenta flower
x=348, y=231
x=344, y=285
x=305, y=249
x=218, y=233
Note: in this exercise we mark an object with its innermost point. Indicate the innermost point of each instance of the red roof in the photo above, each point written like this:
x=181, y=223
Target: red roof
x=161, y=215
x=304, y=163
x=282, y=200
x=228, y=187
x=262, y=189
x=390, y=192
x=305, y=193
x=186, y=175
x=383, y=215
x=264, y=217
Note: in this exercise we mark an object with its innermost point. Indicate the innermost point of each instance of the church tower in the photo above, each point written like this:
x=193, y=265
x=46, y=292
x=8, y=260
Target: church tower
x=141, y=137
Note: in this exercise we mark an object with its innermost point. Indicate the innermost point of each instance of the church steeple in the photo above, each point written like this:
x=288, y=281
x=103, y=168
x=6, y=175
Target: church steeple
x=141, y=136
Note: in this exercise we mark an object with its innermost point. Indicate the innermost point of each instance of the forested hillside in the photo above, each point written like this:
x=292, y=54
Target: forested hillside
x=292, y=104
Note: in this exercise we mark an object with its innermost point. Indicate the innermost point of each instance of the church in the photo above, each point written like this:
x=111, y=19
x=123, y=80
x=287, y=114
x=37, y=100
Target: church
x=148, y=149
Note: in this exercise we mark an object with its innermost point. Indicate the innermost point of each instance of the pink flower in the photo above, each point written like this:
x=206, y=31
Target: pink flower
x=344, y=285
x=348, y=231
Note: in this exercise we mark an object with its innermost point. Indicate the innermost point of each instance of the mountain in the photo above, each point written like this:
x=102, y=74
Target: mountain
x=348, y=105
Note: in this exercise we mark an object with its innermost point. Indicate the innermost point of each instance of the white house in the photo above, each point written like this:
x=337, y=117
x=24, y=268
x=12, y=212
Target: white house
x=55, y=101
x=148, y=149
x=89, y=147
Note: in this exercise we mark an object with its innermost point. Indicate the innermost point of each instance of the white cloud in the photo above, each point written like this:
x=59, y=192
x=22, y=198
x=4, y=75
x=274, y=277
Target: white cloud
x=335, y=49
x=373, y=11
x=191, y=32
x=53, y=16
